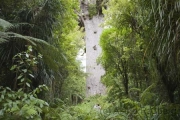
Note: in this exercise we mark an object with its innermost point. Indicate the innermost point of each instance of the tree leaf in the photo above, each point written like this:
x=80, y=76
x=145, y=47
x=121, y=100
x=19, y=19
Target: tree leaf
x=28, y=84
x=20, y=76
x=13, y=67
x=24, y=70
x=27, y=55
x=22, y=80
x=31, y=75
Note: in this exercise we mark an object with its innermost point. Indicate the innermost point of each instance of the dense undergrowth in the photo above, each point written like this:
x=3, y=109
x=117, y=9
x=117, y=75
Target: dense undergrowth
x=125, y=109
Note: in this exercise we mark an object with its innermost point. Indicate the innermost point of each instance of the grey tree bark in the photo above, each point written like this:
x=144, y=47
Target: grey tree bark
x=93, y=50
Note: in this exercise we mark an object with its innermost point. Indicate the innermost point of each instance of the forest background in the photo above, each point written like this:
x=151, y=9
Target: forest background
x=41, y=78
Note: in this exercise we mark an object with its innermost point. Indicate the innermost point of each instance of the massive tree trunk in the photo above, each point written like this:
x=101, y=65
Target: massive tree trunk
x=93, y=50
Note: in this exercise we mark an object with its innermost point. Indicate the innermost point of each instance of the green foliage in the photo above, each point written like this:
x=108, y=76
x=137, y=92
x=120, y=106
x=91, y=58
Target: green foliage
x=24, y=63
x=92, y=9
x=51, y=27
x=125, y=59
x=140, y=56
x=161, y=112
x=148, y=97
x=71, y=82
x=23, y=103
x=74, y=89
x=83, y=111
x=160, y=33
x=20, y=105
x=140, y=53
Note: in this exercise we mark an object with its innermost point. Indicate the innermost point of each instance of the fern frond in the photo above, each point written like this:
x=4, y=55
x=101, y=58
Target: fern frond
x=15, y=35
x=2, y=40
x=148, y=89
x=4, y=36
x=4, y=24
x=18, y=26
x=50, y=53
x=28, y=110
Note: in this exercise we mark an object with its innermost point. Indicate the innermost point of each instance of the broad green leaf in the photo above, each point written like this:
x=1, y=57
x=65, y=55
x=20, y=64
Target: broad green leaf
x=20, y=76
x=2, y=96
x=22, y=80
x=31, y=75
x=28, y=84
x=30, y=48
x=24, y=70
x=27, y=55
x=13, y=67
